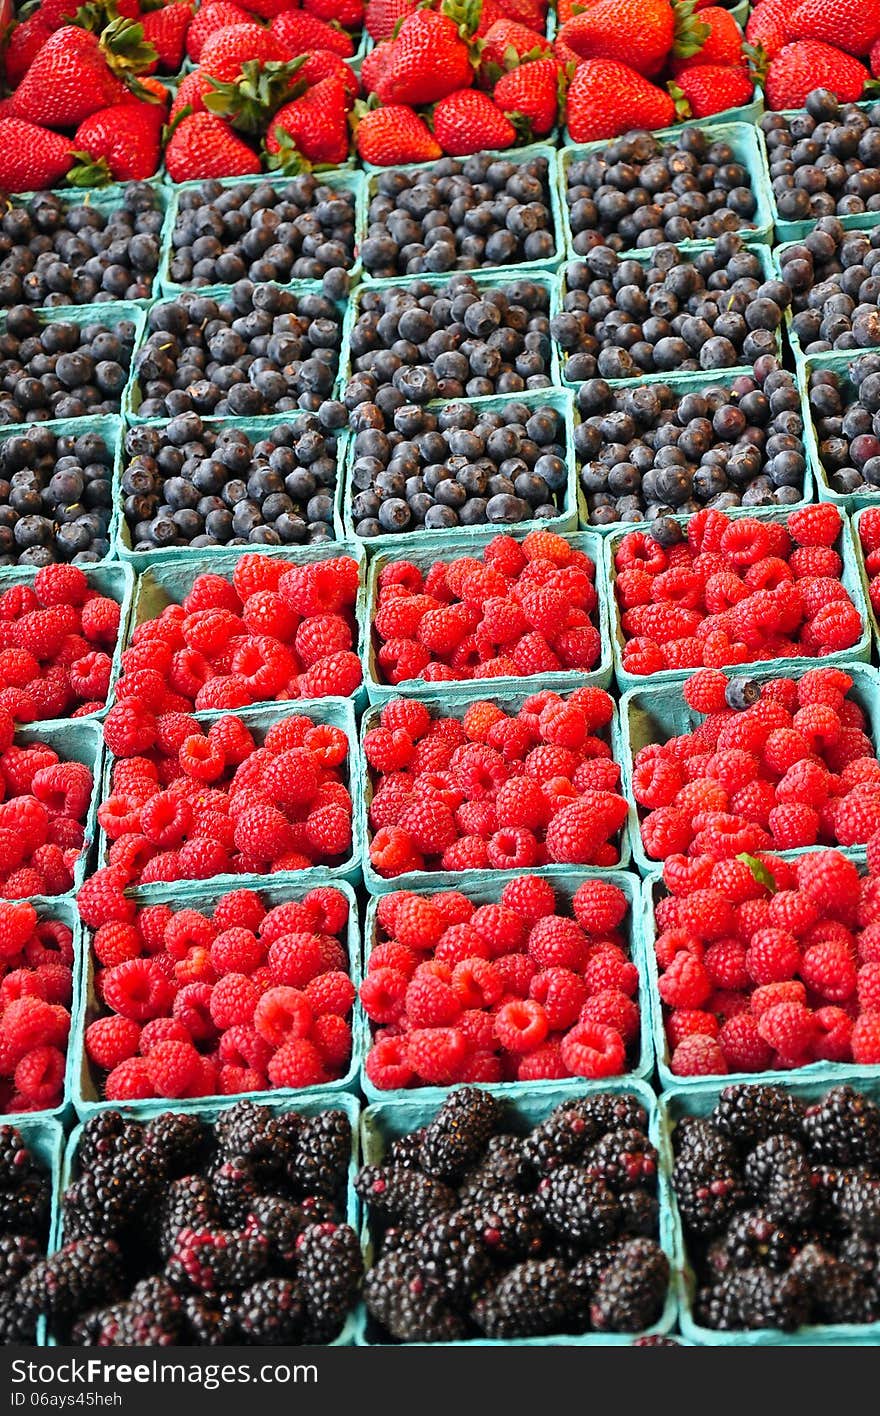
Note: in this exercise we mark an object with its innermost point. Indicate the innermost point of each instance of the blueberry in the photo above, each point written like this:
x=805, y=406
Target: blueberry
x=741, y=693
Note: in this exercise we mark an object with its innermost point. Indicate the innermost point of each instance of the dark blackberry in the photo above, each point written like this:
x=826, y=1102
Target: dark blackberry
x=533, y=1299
x=862, y=1253
x=408, y=1307
x=282, y=1222
x=777, y=1173
x=697, y=1136
x=236, y=1185
x=18, y=1254
x=459, y=1133
x=187, y=1203
x=323, y=1154
x=16, y=1325
x=749, y=1114
x=151, y=1317
x=25, y=1209
x=395, y=1240
x=843, y=1129
x=78, y=1275
x=564, y=1136
x=451, y=1253
x=585, y=1272
x=405, y=1196
x=211, y=1320
x=753, y=1240
x=211, y=1260
x=512, y=1228
x=112, y=1197
x=501, y=1169
x=752, y=1298
x=612, y=1111
x=639, y=1212
x=16, y=1161
x=404, y=1151
x=578, y=1207
x=104, y=1136
x=858, y=1200
x=623, y=1160
x=632, y=1290
x=248, y=1130
x=272, y=1313
x=708, y=1195
x=840, y=1292
x=179, y=1141
x=331, y=1268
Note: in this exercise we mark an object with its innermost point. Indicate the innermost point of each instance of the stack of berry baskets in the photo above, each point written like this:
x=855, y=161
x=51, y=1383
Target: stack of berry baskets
x=840, y=371
x=678, y=1104
x=386, y=1122
x=44, y=1141
x=845, y=632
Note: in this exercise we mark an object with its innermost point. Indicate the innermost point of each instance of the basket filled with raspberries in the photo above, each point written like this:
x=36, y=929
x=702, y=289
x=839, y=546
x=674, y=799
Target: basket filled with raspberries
x=470, y=609
x=191, y=798
x=506, y=783
x=726, y=763
x=713, y=591
x=776, y=1205
x=763, y=965
x=256, y=628
x=226, y=1225
x=245, y=992
x=530, y=982
x=539, y=1217
x=31, y=1157
x=39, y=995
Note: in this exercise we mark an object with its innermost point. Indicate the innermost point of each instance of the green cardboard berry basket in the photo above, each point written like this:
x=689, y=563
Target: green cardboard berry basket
x=169, y=577
x=747, y=142
x=307, y=1105
x=44, y=1138
x=85, y=1093
x=797, y=230
x=483, y=889
x=383, y=1123
x=865, y=578
x=840, y=363
x=448, y=705
x=649, y=715
x=340, y=179
x=850, y=579
x=699, y=1100
x=557, y=398
x=338, y=712
x=515, y=155
x=449, y=546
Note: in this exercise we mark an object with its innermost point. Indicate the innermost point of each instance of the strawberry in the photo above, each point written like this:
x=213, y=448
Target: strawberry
x=152, y=91
x=375, y=64
x=767, y=26
x=565, y=54
x=430, y=60
x=606, y=98
x=321, y=63
x=715, y=38
x=204, y=146
x=314, y=127
x=96, y=15
x=249, y=101
x=388, y=137
x=532, y=92
x=382, y=17
x=25, y=42
x=852, y=25
x=119, y=144
x=75, y=73
x=490, y=13
x=638, y=33
x=267, y=9
x=217, y=15
x=190, y=93
x=506, y=43
x=299, y=32
x=348, y=13
x=808, y=64
x=527, y=12
x=468, y=121
x=711, y=88
x=30, y=157
x=166, y=30
x=874, y=59
x=224, y=53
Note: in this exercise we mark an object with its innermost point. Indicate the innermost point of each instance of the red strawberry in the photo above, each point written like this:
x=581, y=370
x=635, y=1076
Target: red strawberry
x=528, y=12
x=204, y=146
x=119, y=144
x=267, y=9
x=299, y=32
x=715, y=38
x=211, y=18
x=382, y=17
x=565, y=54
x=767, y=25
x=25, y=42
x=468, y=121
x=314, y=127
x=388, y=137
x=507, y=41
x=875, y=58
x=348, y=13
x=321, y=63
x=375, y=64
x=96, y=15
x=249, y=101
x=31, y=157
x=75, y=73
x=808, y=64
x=224, y=53
x=166, y=30
x=638, y=33
x=430, y=60
x=711, y=88
x=852, y=25
x=606, y=98
x=490, y=13
x=190, y=93
x=532, y=92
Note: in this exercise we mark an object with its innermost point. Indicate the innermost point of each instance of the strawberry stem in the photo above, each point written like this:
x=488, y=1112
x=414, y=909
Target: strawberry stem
x=88, y=171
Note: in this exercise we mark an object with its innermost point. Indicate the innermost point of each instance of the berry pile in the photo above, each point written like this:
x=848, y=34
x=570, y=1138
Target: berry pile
x=497, y=790
x=482, y=211
x=57, y=638
x=292, y=230
x=846, y=414
x=520, y=608
x=261, y=349
x=177, y=1232
x=650, y=451
x=833, y=274
x=775, y=765
x=485, y=1231
x=734, y=592
x=826, y=160
x=245, y=999
x=56, y=497
x=811, y=45
x=699, y=188
x=36, y=989
x=188, y=801
x=768, y=966
x=527, y=989
x=624, y=318
x=780, y=1200
x=57, y=252
x=42, y=814
x=460, y=466
x=273, y=631
x=25, y=1205
x=53, y=368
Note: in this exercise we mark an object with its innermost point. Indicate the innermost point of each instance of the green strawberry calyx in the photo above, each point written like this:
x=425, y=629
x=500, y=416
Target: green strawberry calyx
x=88, y=171
x=691, y=32
x=682, y=107
x=125, y=50
x=288, y=159
x=249, y=101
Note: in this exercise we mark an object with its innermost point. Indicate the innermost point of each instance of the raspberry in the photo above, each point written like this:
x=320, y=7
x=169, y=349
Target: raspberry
x=868, y=988
x=593, y=1050
x=831, y=880
x=788, y=1028
x=521, y=1026
x=685, y=983
x=101, y=899
x=742, y=1045
x=233, y=1000
x=137, y=989
x=815, y=525
x=500, y=927
x=557, y=942
x=173, y=1068
x=436, y=1055
x=698, y=1056
x=297, y=1064
x=530, y=897
x=430, y=826
x=686, y=1022
x=865, y=1040
x=772, y=956
x=129, y=729
x=430, y=1002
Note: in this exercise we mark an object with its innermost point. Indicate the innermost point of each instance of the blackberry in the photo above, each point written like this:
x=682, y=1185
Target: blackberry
x=330, y=1270
x=16, y=1161
x=179, y=1141
x=840, y=1292
x=859, y=1204
x=407, y=1306
x=843, y=1129
x=245, y=1129
x=396, y=1240
x=753, y=1240
x=112, y=1197
x=512, y=1228
x=18, y=1254
x=211, y=1260
x=236, y=1185
x=563, y=1136
x=187, y=1203
x=862, y=1253
x=451, y=1252
x=71, y=1280
x=457, y=1137
x=623, y=1160
x=501, y=1169
x=211, y=1320
x=405, y=1151
x=578, y=1207
x=533, y=1299
x=282, y=1222
x=612, y=1111
x=750, y=1114
x=151, y=1317
x=639, y=1212
x=16, y=1325
x=104, y=1136
x=272, y=1313
x=698, y=1137
x=632, y=1290
x=585, y=1273
x=708, y=1195
x=753, y=1298
x=655, y=1340
x=25, y=1209
x=777, y=1172
x=323, y=1154
x=403, y=1195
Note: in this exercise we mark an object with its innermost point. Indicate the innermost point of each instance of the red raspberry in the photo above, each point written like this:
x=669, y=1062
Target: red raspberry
x=865, y=1041
x=698, y=1056
x=831, y=880
x=430, y=825
x=599, y=906
x=297, y=1064
x=558, y=942
x=685, y=983
x=430, y=1002
x=815, y=525
x=593, y=1050
x=521, y=1026
x=789, y=1028
x=406, y=715
x=110, y=1041
x=137, y=989
x=331, y=993
x=530, y=897
x=173, y=1068
x=612, y=1008
x=387, y=1066
x=500, y=927
x=610, y=968
x=436, y=1055
x=772, y=956
x=382, y=994
x=418, y=923
x=686, y=1022
x=101, y=899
